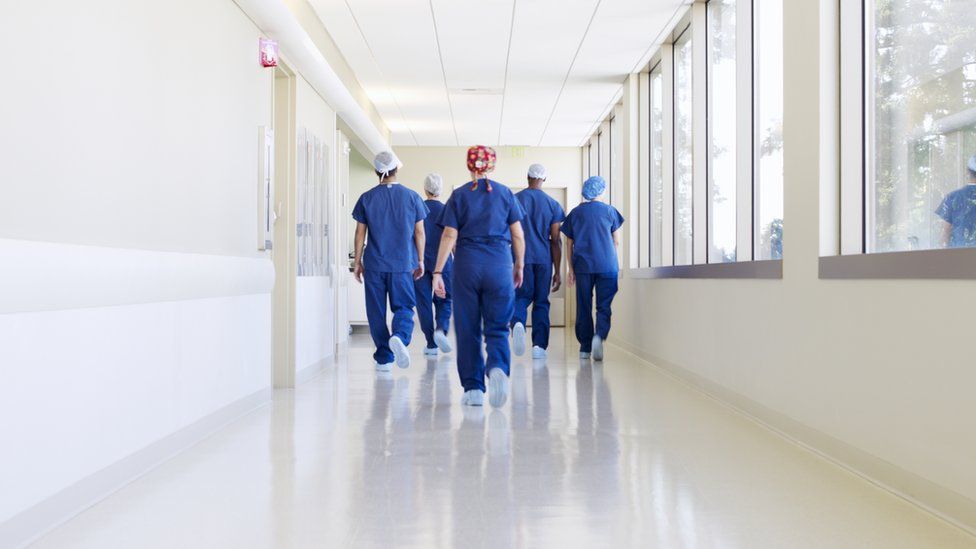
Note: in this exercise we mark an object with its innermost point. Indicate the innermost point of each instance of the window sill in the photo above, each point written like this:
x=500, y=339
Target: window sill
x=952, y=264
x=768, y=270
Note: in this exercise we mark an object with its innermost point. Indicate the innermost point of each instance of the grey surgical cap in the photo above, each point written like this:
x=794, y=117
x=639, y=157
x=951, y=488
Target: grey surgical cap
x=538, y=171
x=386, y=162
x=433, y=184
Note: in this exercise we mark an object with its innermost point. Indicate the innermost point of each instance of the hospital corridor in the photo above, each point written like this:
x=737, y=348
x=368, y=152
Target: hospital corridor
x=670, y=274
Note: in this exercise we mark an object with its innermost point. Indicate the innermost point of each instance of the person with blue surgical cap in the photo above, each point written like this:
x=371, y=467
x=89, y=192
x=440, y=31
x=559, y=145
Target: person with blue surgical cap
x=591, y=231
x=392, y=216
x=434, y=324
x=958, y=211
x=481, y=222
x=543, y=256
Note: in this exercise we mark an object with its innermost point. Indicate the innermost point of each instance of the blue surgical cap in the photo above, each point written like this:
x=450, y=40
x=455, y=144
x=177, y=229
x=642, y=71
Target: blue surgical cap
x=594, y=187
x=972, y=164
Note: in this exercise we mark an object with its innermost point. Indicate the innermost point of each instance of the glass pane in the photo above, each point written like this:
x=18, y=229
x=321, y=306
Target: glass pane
x=722, y=119
x=683, y=174
x=768, y=71
x=657, y=166
x=921, y=107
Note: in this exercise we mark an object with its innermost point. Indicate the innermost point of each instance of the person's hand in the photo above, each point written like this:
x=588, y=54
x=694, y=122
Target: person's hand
x=357, y=271
x=557, y=281
x=419, y=271
x=439, y=289
x=571, y=278
x=517, y=276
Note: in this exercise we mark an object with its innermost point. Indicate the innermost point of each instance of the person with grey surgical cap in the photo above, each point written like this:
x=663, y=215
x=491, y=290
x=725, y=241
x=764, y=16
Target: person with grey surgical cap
x=434, y=311
x=592, y=238
x=958, y=212
x=543, y=257
x=393, y=218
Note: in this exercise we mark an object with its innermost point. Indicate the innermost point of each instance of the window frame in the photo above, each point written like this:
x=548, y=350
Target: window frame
x=746, y=266
x=844, y=248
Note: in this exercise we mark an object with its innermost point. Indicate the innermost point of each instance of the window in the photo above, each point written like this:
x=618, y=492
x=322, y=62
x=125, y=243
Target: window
x=920, y=124
x=656, y=164
x=722, y=118
x=768, y=136
x=683, y=151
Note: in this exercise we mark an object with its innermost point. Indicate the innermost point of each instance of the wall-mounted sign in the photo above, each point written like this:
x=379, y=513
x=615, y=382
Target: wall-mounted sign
x=268, y=52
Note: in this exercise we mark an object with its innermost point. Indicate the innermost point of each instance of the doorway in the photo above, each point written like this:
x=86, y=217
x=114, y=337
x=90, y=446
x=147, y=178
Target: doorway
x=557, y=300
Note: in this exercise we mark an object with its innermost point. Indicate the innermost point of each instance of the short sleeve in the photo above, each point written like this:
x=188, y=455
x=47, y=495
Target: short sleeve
x=944, y=210
x=567, y=227
x=515, y=211
x=422, y=210
x=616, y=220
x=557, y=213
x=359, y=211
x=449, y=215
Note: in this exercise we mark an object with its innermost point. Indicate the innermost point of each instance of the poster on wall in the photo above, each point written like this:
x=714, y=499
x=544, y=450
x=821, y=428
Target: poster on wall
x=313, y=206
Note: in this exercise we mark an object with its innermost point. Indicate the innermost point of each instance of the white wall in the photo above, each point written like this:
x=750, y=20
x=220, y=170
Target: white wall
x=877, y=374
x=139, y=304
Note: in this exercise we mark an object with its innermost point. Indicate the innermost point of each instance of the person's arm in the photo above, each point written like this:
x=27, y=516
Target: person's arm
x=420, y=241
x=448, y=240
x=616, y=238
x=556, y=247
x=357, y=269
x=946, y=234
x=570, y=274
x=518, y=247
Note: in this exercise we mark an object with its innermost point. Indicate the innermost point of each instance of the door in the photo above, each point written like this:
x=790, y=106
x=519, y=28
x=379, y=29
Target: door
x=341, y=260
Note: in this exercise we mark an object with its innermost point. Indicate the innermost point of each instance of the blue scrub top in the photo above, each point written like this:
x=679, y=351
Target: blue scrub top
x=482, y=220
x=433, y=232
x=390, y=213
x=591, y=226
x=541, y=212
x=959, y=210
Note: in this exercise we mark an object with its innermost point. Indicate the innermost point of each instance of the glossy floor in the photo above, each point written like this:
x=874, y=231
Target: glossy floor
x=611, y=455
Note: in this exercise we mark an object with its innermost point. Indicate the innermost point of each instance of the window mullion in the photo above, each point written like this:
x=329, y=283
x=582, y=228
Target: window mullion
x=852, y=128
x=745, y=132
x=699, y=37
x=667, y=145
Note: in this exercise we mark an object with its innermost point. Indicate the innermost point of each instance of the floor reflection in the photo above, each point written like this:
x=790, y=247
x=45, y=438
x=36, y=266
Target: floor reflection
x=585, y=455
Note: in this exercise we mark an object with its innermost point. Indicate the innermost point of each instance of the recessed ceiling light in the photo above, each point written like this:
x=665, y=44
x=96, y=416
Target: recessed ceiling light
x=477, y=91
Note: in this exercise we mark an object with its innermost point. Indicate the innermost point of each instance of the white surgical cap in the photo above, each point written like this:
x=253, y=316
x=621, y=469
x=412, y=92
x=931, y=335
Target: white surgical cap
x=386, y=162
x=538, y=171
x=433, y=184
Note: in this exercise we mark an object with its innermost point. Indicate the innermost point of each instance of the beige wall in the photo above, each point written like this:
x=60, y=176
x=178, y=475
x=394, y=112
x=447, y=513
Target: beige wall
x=877, y=374
x=152, y=145
x=563, y=163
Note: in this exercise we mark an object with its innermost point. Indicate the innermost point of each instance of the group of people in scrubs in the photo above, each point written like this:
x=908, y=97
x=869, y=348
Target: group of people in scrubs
x=485, y=256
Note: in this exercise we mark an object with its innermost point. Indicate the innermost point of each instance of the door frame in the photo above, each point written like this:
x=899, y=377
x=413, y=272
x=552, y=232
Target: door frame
x=283, y=253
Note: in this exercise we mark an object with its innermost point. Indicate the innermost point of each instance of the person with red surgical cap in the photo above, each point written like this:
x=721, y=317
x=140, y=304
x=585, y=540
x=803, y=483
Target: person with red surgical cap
x=481, y=222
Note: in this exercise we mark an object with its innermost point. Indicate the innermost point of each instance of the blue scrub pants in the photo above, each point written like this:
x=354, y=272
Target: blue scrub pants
x=605, y=285
x=427, y=303
x=536, y=284
x=398, y=287
x=483, y=294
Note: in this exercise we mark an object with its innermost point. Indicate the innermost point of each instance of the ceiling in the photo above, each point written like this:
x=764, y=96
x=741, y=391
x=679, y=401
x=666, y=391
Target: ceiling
x=495, y=72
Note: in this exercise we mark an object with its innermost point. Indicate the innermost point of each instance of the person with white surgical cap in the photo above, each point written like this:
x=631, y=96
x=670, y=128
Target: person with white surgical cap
x=483, y=219
x=592, y=238
x=434, y=311
x=543, y=256
x=392, y=216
